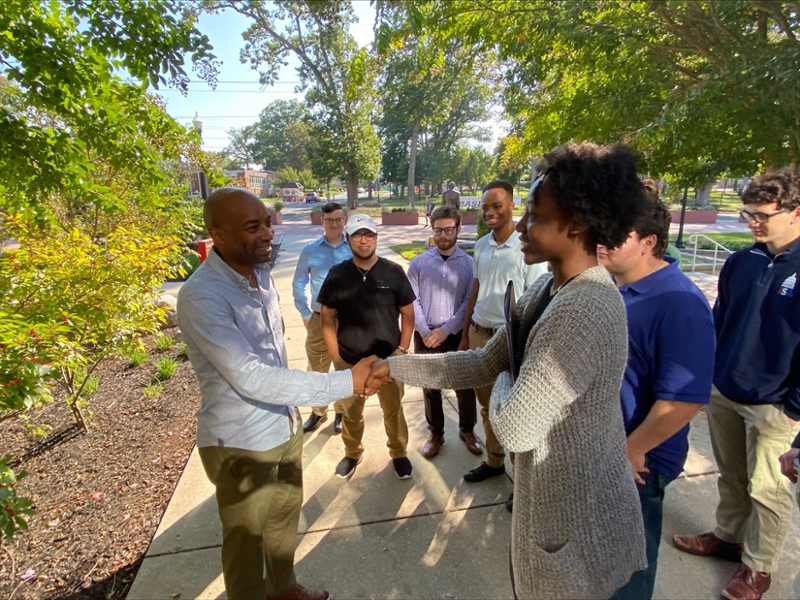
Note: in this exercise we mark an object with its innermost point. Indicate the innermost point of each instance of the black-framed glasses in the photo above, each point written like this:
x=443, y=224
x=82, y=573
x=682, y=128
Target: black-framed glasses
x=370, y=236
x=444, y=230
x=337, y=221
x=760, y=217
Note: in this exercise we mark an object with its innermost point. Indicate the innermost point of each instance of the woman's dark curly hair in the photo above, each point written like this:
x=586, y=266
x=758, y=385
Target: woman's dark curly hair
x=781, y=186
x=597, y=187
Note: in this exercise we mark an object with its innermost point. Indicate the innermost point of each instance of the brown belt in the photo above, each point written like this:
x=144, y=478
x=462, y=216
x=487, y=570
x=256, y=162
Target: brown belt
x=484, y=330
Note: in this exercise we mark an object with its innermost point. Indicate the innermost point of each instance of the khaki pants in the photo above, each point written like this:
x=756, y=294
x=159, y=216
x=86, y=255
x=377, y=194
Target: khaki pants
x=259, y=495
x=755, y=505
x=495, y=454
x=394, y=422
x=319, y=359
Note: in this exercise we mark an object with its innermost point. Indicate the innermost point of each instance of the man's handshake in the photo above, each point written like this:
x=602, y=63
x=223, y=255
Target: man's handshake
x=370, y=375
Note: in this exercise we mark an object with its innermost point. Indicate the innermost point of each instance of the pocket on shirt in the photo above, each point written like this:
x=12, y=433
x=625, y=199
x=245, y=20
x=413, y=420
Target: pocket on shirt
x=385, y=298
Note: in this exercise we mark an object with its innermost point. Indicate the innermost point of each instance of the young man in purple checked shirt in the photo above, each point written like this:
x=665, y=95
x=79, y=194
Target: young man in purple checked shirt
x=442, y=282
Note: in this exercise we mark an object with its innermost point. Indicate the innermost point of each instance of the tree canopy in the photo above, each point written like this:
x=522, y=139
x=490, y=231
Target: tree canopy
x=700, y=88
x=63, y=106
x=336, y=75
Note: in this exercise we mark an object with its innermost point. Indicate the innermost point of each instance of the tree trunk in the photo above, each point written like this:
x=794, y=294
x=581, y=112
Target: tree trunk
x=703, y=196
x=412, y=164
x=352, y=187
x=534, y=169
x=328, y=191
x=369, y=191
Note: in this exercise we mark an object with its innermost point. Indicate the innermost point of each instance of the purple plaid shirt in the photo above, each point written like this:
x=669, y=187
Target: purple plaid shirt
x=442, y=289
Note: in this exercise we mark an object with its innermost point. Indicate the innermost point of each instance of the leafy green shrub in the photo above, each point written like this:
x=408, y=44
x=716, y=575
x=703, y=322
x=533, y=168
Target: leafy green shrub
x=13, y=509
x=164, y=342
x=277, y=206
x=483, y=228
x=153, y=390
x=71, y=301
x=398, y=209
x=165, y=368
x=181, y=348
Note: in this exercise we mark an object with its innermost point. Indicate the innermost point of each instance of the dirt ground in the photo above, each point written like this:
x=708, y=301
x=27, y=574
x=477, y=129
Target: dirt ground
x=99, y=496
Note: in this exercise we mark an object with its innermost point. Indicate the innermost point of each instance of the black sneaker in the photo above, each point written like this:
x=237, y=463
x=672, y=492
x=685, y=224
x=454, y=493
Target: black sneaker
x=510, y=503
x=337, y=423
x=346, y=467
x=482, y=472
x=402, y=467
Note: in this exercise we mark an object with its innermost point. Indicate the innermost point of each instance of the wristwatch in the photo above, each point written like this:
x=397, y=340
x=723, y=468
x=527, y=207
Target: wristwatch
x=403, y=350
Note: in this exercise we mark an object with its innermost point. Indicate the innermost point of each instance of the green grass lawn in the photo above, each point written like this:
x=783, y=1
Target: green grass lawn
x=409, y=251
x=732, y=241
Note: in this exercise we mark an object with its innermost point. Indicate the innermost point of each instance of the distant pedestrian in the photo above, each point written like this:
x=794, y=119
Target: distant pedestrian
x=428, y=210
x=754, y=409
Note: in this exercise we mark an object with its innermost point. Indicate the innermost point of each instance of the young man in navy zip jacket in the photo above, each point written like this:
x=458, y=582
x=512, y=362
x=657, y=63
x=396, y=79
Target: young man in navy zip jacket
x=755, y=406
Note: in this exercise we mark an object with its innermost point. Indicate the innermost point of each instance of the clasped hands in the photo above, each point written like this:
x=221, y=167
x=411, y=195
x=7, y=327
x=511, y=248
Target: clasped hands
x=370, y=375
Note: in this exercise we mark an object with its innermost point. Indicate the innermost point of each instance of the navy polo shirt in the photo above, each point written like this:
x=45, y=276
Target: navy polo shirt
x=671, y=344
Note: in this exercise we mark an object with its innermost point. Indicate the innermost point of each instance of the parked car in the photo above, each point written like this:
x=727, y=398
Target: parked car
x=311, y=197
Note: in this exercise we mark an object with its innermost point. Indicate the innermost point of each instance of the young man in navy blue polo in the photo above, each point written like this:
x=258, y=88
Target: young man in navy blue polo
x=668, y=376
x=753, y=413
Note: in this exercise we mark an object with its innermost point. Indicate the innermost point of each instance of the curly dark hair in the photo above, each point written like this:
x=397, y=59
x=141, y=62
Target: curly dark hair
x=597, y=187
x=781, y=186
x=654, y=219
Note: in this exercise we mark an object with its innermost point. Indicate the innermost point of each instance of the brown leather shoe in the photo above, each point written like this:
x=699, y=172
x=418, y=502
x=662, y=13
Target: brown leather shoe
x=302, y=593
x=431, y=447
x=708, y=544
x=747, y=584
x=471, y=442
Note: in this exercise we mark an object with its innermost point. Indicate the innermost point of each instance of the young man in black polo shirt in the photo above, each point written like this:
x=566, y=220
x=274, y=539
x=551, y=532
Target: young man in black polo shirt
x=366, y=295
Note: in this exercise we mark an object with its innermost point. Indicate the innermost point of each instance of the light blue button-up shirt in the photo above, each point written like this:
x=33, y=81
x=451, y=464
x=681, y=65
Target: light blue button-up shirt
x=234, y=340
x=316, y=259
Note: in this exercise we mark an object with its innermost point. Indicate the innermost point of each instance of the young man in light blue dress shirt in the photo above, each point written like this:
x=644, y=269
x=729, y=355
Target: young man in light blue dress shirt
x=316, y=259
x=248, y=433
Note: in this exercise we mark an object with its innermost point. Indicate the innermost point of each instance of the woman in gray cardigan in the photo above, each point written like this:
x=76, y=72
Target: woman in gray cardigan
x=577, y=524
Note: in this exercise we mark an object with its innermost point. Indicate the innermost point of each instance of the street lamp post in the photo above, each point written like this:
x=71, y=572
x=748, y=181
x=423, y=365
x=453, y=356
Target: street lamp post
x=679, y=242
x=201, y=176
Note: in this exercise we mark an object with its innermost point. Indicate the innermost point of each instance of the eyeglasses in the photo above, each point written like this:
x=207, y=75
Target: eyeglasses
x=444, y=230
x=370, y=236
x=760, y=217
x=338, y=221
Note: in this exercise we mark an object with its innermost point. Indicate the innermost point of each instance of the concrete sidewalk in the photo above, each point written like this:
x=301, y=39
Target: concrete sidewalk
x=433, y=536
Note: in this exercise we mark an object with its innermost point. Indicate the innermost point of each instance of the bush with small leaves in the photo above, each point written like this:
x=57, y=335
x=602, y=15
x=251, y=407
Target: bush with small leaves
x=165, y=368
x=181, y=348
x=13, y=509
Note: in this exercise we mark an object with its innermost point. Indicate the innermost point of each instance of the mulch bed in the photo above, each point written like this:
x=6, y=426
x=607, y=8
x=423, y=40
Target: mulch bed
x=99, y=495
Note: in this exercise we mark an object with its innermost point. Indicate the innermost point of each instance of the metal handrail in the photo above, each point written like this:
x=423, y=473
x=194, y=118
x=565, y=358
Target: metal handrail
x=694, y=239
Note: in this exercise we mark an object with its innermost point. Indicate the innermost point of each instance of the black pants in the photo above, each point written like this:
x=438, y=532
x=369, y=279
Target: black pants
x=467, y=412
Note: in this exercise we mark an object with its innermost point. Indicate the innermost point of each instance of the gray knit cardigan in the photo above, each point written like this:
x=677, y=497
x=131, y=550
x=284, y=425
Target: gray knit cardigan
x=577, y=528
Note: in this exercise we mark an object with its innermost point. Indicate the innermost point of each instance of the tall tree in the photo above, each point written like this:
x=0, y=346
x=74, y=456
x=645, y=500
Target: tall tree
x=336, y=75
x=432, y=98
x=71, y=111
x=699, y=87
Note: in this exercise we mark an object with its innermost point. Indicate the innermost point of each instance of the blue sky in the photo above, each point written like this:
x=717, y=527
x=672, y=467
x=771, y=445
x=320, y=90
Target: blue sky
x=239, y=98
